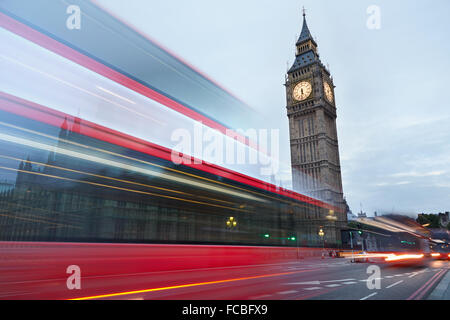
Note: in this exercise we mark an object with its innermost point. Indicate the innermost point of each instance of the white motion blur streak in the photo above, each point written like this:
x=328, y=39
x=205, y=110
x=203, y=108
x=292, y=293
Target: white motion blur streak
x=125, y=166
x=36, y=74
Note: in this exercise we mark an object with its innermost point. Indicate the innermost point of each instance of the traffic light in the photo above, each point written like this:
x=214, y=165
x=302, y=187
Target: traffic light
x=360, y=232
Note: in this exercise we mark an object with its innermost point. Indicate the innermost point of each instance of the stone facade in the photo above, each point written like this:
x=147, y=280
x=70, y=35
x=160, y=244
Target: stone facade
x=311, y=110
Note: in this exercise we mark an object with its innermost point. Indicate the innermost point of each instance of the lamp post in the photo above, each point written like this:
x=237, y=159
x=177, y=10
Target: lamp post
x=351, y=244
x=322, y=234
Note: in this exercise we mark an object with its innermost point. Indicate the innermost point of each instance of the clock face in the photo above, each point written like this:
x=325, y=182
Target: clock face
x=328, y=91
x=302, y=91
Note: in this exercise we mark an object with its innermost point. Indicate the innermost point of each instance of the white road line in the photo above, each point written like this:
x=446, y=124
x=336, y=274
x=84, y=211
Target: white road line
x=318, y=282
x=288, y=292
x=313, y=288
x=394, y=284
x=307, y=282
x=370, y=295
x=389, y=277
x=399, y=275
x=413, y=275
x=332, y=285
x=337, y=280
x=350, y=282
x=365, y=280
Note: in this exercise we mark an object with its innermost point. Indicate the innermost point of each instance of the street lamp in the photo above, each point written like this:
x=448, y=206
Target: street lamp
x=351, y=244
x=322, y=234
x=331, y=215
x=231, y=222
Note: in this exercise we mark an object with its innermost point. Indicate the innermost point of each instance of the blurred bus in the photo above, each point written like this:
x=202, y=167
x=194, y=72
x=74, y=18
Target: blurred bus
x=88, y=169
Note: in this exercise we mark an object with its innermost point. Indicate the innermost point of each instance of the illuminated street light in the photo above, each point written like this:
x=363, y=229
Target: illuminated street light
x=231, y=222
x=331, y=215
x=321, y=233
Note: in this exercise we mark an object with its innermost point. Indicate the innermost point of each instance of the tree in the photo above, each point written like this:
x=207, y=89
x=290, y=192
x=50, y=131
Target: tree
x=431, y=219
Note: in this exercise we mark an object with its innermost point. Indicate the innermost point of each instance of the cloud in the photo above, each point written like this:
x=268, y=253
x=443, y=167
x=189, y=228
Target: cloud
x=385, y=184
x=417, y=174
x=416, y=120
x=402, y=183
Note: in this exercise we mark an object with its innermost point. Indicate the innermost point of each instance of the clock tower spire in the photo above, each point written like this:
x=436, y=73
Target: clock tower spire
x=311, y=109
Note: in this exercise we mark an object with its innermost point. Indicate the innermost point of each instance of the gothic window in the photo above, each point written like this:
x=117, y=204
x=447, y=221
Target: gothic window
x=301, y=128
x=303, y=153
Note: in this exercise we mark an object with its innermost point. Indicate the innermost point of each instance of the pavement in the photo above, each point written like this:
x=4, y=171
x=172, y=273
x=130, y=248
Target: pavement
x=442, y=290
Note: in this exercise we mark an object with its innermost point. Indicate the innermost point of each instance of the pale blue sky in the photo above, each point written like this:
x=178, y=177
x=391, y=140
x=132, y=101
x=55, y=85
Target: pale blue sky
x=391, y=84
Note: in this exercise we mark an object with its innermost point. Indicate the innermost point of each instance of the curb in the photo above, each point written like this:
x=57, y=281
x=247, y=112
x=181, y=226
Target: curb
x=442, y=291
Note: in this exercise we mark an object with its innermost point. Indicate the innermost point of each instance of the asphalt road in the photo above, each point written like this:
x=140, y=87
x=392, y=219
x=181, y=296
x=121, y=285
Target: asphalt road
x=329, y=279
x=323, y=279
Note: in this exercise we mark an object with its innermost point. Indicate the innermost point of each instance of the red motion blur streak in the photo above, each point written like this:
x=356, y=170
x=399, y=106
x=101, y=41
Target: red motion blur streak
x=126, y=23
x=67, y=52
x=32, y=270
x=55, y=118
x=403, y=257
x=435, y=255
x=109, y=295
x=93, y=65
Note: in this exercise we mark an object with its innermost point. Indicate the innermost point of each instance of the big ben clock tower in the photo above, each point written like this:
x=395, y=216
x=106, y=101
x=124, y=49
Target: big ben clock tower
x=311, y=109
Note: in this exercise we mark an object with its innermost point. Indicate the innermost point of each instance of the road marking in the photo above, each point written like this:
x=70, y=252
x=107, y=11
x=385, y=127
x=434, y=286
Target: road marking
x=350, y=282
x=389, y=277
x=184, y=286
x=423, y=288
x=365, y=280
x=370, y=295
x=398, y=275
x=313, y=288
x=318, y=282
x=287, y=292
x=332, y=285
x=413, y=275
x=439, y=292
x=422, y=294
x=308, y=282
x=394, y=284
x=337, y=280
